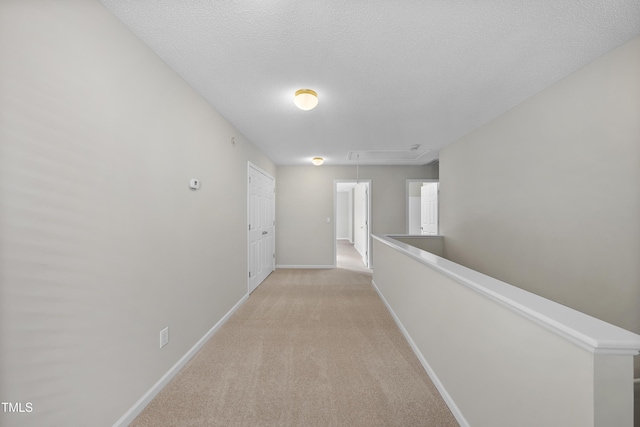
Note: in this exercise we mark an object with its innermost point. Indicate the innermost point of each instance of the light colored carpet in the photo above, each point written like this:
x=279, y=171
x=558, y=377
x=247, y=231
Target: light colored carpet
x=349, y=258
x=308, y=348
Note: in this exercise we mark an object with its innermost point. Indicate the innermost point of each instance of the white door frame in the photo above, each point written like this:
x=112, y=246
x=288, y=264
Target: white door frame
x=335, y=213
x=260, y=170
x=408, y=217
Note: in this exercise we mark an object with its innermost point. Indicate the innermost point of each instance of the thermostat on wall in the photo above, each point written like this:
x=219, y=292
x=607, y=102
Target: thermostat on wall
x=194, y=184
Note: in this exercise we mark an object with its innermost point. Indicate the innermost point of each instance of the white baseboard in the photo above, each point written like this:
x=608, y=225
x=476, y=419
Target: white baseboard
x=305, y=266
x=434, y=378
x=135, y=410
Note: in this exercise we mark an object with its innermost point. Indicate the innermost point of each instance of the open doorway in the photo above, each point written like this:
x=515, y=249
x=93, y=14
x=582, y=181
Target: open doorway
x=422, y=206
x=352, y=231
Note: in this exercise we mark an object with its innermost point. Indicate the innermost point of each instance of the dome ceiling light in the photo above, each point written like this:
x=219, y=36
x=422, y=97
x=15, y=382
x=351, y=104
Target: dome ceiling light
x=317, y=161
x=305, y=99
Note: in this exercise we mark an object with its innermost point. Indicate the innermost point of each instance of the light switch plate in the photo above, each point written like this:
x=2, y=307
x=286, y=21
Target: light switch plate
x=164, y=337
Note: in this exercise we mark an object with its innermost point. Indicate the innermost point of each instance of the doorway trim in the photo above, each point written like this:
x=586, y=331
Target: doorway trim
x=407, y=197
x=335, y=215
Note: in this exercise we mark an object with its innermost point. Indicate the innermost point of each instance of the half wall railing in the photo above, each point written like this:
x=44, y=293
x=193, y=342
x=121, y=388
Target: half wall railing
x=499, y=355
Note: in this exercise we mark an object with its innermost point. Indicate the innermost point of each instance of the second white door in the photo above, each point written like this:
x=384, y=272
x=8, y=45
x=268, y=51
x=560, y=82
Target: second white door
x=361, y=220
x=429, y=208
x=261, y=226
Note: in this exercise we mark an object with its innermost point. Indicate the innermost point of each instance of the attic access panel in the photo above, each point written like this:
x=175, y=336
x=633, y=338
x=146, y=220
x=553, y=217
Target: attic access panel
x=392, y=156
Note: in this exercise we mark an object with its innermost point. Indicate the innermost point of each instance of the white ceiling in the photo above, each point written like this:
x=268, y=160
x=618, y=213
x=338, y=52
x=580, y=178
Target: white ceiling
x=389, y=74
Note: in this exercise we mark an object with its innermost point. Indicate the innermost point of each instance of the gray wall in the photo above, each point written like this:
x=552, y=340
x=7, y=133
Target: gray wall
x=547, y=196
x=102, y=244
x=304, y=198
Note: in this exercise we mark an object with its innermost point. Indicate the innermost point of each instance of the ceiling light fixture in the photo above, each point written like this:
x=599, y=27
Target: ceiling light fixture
x=317, y=161
x=305, y=99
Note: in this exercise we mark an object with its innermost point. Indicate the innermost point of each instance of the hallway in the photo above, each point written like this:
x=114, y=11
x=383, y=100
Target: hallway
x=349, y=258
x=308, y=348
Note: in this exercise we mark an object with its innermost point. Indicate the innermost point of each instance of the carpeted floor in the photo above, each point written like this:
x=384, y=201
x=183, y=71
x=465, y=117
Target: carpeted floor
x=308, y=348
x=349, y=258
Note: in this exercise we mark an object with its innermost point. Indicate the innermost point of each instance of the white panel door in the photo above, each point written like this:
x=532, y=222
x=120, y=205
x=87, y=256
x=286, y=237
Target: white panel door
x=261, y=227
x=429, y=208
x=361, y=220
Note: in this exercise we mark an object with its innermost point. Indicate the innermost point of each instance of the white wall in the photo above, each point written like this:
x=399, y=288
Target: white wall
x=415, y=210
x=305, y=199
x=343, y=215
x=102, y=244
x=414, y=200
x=546, y=196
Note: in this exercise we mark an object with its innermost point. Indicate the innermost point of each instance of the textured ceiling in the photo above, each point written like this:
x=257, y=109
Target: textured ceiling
x=389, y=74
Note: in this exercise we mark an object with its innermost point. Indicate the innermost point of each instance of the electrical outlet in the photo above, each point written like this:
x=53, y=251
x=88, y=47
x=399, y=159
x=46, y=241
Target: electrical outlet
x=164, y=337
